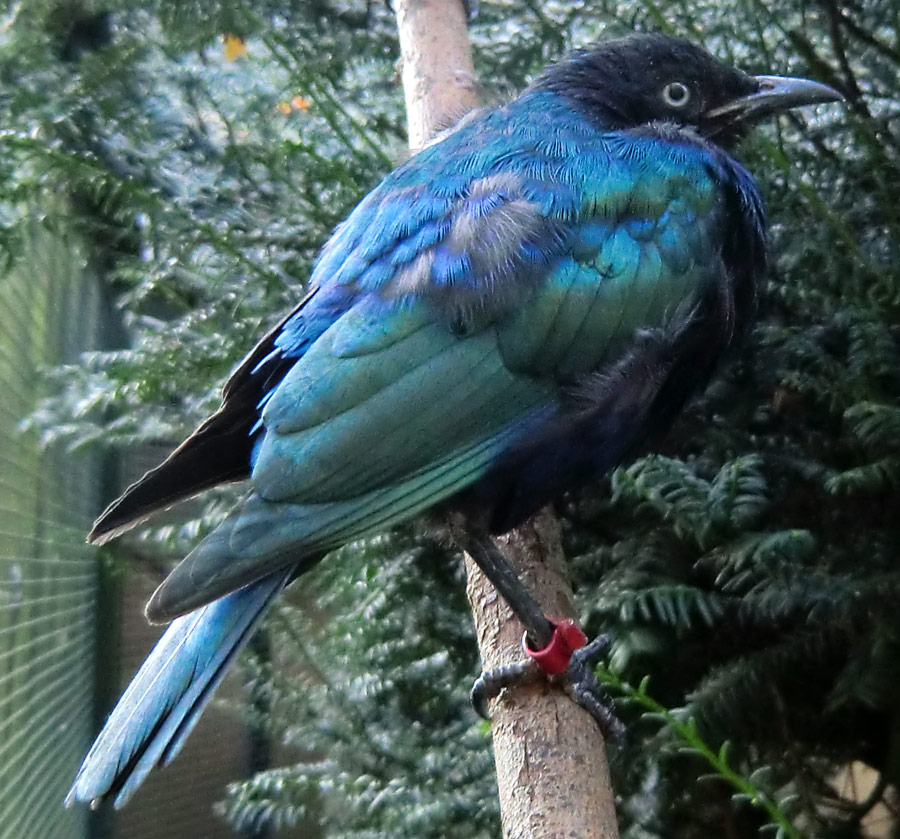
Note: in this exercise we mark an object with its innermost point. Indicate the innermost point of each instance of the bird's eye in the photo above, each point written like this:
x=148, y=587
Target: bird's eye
x=676, y=94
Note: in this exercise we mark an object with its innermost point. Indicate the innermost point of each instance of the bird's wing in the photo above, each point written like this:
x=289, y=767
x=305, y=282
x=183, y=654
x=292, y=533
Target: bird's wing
x=357, y=437
x=386, y=238
x=472, y=306
x=219, y=450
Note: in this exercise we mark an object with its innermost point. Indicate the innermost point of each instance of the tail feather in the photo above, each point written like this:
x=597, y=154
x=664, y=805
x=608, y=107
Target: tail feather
x=163, y=703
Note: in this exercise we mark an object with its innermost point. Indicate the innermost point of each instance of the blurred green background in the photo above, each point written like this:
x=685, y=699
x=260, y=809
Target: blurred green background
x=169, y=170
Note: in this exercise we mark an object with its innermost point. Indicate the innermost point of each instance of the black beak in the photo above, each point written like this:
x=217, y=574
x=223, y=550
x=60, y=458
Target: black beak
x=775, y=93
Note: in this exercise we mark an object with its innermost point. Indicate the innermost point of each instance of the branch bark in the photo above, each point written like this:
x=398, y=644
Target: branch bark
x=439, y=81
x=552, y=772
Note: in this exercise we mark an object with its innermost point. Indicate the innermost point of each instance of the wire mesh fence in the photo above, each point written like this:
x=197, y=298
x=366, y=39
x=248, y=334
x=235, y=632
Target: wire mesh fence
x=49, y=311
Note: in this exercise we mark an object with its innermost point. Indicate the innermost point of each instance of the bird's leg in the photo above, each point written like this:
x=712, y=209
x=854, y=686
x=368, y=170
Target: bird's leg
x=555, y=650
x=494, y=566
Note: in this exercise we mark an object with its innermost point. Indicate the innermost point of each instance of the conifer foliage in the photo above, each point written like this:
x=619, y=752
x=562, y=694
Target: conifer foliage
x=206, y=150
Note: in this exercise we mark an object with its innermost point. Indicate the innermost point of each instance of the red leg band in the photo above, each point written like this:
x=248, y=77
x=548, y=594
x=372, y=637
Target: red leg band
x=554, y=658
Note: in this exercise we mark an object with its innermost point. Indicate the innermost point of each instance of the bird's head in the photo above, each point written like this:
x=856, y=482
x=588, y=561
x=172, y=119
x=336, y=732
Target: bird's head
x=641, y=79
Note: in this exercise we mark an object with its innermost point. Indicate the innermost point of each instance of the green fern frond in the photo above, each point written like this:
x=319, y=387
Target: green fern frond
x=741, y=700
x=875, y=424
x=680, y=607
x=738, y=495
x=274, y=799
x=694, y=507
x=752, y=557
x=879, y=475
x=873, y=353
x=755, y=787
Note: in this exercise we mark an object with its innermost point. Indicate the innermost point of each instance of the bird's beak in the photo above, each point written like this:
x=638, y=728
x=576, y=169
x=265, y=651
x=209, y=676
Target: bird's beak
x=775, y=93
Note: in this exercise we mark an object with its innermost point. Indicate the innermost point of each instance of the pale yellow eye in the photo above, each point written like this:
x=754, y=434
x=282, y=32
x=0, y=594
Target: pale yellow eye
x=676, y=94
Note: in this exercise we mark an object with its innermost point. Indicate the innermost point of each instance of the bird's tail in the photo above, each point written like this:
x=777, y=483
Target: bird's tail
x=161, y=706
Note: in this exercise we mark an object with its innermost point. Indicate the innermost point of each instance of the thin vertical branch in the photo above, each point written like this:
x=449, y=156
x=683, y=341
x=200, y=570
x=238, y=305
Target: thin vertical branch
x=552, y=772
x=551, y=762
x=438, y=74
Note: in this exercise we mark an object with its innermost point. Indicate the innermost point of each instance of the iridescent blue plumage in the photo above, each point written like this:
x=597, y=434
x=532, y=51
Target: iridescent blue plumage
x=510, y=313
x=165, y=699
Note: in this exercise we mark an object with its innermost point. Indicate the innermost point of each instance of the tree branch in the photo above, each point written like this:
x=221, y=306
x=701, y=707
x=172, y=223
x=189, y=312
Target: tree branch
x=550, y=755
x=438, y=74
x=551, y=761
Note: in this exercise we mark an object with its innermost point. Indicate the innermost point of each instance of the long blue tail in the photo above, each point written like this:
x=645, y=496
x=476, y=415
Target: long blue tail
x=161, y=706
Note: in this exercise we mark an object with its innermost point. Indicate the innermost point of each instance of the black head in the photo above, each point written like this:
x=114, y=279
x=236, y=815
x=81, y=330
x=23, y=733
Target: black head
x=628, y=82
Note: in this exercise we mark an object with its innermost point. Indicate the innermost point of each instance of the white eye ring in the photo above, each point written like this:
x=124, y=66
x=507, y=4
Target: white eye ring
x=676, y=94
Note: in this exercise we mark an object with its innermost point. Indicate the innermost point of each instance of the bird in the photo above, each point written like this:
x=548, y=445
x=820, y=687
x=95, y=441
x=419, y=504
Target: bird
x=511, y=313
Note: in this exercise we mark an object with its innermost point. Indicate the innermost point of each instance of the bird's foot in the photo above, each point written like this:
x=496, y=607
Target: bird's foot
x=582, y=686
x=492, y=682
x=566, y=661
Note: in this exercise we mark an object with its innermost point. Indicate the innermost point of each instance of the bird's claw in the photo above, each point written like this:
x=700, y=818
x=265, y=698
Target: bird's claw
x=582, y=686
x=578, y=681
x=490, y=683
